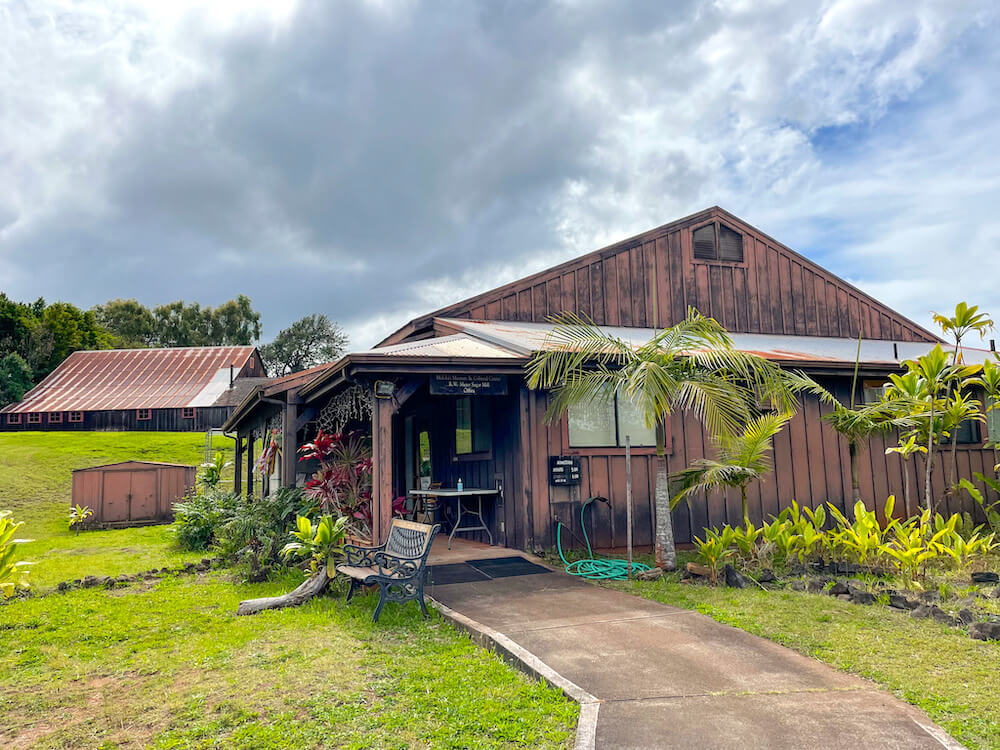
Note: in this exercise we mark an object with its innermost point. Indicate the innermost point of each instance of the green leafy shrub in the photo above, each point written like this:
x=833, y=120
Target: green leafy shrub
x=78, y=516
x=13, y=575
x=322, y=543
x=716, y=548
x=213, y=470
x=197, y=519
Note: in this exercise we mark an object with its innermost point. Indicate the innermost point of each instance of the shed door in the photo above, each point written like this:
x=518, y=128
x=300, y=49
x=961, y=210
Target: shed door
x=117, y=486
x=143, y=495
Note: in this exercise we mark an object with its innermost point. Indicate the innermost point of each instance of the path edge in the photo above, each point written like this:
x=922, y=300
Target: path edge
x=522, y=659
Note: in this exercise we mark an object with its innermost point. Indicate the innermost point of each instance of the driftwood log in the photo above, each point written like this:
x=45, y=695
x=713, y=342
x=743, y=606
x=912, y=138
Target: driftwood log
x=306, y=590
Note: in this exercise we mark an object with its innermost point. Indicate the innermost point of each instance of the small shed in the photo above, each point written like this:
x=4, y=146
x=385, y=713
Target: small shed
x=132, y=493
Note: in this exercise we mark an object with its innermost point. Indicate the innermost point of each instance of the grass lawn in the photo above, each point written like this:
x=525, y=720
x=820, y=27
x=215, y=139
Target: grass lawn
x=35, y=477
x=950, y=676
x=168, y=664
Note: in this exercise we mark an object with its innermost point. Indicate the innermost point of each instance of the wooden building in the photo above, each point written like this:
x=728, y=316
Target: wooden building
x=457, y=406
x=180, y=389
x=132, y=493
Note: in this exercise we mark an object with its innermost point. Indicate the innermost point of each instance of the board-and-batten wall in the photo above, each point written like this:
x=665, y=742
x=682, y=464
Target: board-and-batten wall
x=650, y=280
x=811, y=466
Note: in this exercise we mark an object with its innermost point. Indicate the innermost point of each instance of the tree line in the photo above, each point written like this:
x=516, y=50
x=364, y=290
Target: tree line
x=35, y=337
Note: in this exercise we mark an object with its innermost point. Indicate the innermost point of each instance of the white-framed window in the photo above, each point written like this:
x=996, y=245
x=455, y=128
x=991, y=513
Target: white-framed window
x=187, y=412
x=872, y=390
x=13, y=419
x=605, y=422
x=55, y=417
x=35, y=418
x=76, y=416
x=143, y=415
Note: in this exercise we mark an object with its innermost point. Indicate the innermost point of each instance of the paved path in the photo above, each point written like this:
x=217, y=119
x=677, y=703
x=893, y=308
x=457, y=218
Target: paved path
x=665, y=677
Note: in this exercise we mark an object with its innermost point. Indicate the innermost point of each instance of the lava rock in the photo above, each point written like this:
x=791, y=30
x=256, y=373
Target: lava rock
x=863, y=597
x=89, y=581
x=844, y=597
x=898, y=601
x=996, y=593
x=923, y=611
x=767, y=576
x=734, y=579
x=939, y=615
x=965, y=616
x=985, y=577
x=985, y=631
x=797, y=585
x=63, y=586
x=839, y=588
x=817, y=585
x=929, y=596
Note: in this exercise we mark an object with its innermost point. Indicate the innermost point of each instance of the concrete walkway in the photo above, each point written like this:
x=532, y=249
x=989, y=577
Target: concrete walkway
x=655, y=676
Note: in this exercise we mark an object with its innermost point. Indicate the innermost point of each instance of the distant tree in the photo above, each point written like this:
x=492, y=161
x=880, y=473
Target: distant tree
x=16, y=322
x=305, y=343
x=129, y=320
x=233, y=323
x=63, y=329
x=15, y=378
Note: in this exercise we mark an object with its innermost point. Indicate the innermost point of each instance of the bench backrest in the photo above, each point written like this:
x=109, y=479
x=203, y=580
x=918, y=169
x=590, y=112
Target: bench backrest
x=408, y=538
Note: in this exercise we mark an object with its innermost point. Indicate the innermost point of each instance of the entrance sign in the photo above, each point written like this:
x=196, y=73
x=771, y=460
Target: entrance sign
x=564, y=470
x=468, y=385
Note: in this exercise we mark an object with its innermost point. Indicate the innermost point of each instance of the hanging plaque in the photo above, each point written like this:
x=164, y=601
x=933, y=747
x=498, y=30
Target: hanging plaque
x=468, y=385
x=564, y=470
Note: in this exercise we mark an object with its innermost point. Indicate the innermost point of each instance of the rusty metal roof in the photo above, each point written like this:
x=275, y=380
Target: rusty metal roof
x=524, y=338
x=136, y=379
x=455, y=345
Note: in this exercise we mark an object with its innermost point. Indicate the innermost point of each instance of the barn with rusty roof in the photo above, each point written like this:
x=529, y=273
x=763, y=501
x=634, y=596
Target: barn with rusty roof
x=180, y=389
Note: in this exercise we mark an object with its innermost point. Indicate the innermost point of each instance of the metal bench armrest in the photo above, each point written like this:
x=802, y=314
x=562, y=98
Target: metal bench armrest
x=361, y=556
x=397, y=566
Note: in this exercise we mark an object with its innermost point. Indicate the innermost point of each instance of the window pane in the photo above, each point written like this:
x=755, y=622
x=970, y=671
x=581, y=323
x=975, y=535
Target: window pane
x=592, y=424
x=632, y=423
x=968, y=432
x=871, y=390
x=463, y=426
x=730, y=244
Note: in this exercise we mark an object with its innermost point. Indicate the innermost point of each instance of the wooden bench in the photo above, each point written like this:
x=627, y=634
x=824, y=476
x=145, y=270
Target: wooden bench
x=398, y=567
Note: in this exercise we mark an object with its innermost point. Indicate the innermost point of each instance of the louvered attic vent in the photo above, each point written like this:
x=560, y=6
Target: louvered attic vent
x=718, y=242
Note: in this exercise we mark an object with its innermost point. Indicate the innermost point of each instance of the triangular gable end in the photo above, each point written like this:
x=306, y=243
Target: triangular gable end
x=652, y=278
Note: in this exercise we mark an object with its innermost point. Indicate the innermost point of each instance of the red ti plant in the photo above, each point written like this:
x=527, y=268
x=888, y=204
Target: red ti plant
x=343, y=484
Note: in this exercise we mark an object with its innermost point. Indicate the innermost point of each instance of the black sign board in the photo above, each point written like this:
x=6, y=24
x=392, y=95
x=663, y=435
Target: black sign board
x=564, y=470
x=468, y=385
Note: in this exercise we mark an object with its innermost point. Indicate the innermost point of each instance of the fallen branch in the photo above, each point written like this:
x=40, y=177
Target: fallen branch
x=306, y=590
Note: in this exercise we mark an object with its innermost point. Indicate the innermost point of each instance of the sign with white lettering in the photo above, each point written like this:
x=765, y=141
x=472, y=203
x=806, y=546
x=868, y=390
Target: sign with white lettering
x=564, y=470
x=468, y=385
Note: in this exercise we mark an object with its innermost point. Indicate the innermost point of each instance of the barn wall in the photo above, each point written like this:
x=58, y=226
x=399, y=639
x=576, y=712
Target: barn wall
x=162, y=420
x=651, y=279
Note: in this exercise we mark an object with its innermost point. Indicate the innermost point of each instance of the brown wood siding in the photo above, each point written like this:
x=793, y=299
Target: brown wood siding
x=650, y=280
x=811, y=467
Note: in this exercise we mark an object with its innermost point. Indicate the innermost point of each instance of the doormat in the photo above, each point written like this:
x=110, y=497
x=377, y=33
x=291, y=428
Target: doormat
x=505, y=567
x=442, y=575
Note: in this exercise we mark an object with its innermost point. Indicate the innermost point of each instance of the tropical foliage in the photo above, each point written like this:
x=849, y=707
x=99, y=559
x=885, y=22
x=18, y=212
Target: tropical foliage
x=79, y=515
x=213, y=470
x=321, y=543
x=343, y=484
x=13, y=571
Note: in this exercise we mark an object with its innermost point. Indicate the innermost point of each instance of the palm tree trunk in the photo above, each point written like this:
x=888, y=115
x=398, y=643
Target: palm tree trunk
x=906, y=488
x=954, y=460
x=666, y=554
x=743, y=499
x=852, y=453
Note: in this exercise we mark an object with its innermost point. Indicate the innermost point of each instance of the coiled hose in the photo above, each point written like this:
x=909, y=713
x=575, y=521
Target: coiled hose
x=595, y=569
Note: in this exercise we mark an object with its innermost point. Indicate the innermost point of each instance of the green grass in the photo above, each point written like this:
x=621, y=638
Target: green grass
x=168, y=664
x=35, y=480
x=940, y=669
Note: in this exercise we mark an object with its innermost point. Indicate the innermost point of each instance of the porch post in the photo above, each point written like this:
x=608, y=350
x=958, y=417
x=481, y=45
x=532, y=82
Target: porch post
x=250, y=463
x=288, y=433
x=238, y=464
x=382, y=412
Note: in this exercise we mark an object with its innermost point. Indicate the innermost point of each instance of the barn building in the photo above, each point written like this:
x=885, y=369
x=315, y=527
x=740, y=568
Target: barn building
x=179, y=389
x=455, y=404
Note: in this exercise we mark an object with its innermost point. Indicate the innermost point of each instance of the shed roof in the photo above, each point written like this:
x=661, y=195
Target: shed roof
x=101, y=467
x=136, y=379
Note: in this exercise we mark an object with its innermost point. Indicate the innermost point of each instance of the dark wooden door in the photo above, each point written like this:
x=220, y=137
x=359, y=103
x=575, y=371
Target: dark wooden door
x=117, y=487
x=143, y=505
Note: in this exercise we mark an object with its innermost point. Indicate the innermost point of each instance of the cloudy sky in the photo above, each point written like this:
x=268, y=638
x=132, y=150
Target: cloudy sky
x=375, y=160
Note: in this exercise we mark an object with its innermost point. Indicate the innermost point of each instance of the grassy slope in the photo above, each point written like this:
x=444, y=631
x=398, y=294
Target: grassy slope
x=940, y=669
x=171, y=666
x=35, y=476
x=168, y=664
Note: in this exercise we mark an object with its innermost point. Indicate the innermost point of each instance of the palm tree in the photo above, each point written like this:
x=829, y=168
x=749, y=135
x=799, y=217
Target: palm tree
x=989, y=381
x=691, y=366
x=906, y=449
x=965, y=320
x=741, y=459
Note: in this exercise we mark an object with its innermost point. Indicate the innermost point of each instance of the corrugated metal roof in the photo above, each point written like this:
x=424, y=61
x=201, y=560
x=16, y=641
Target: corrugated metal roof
x=455, y=345
x=525, y=338
x=136, y=379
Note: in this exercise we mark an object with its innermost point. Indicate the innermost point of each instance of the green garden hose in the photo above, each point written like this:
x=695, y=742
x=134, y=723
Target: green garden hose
x=595, y=569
